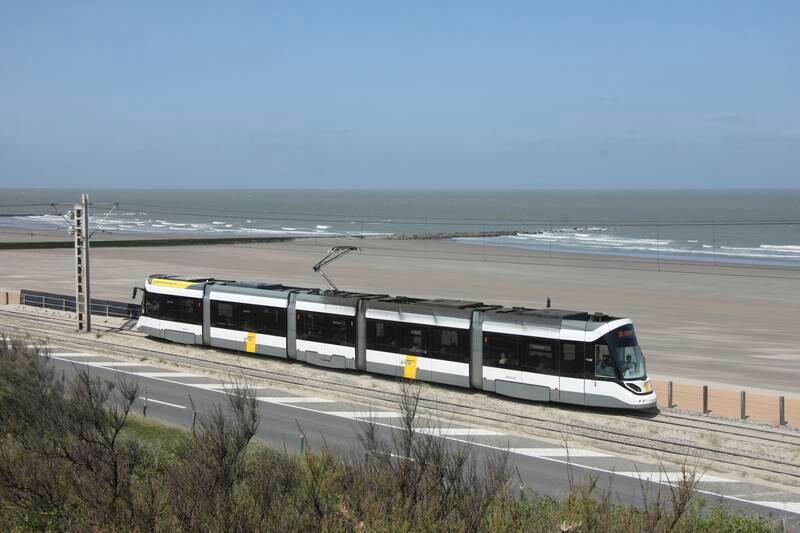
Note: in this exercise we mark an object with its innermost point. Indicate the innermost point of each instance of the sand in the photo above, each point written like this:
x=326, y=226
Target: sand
x=705, y=322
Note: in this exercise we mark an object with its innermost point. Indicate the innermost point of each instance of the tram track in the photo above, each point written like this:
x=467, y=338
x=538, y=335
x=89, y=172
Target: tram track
x=772, y=465
x=759, y=432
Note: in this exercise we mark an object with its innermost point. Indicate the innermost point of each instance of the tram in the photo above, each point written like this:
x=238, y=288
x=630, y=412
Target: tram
x=545, y=355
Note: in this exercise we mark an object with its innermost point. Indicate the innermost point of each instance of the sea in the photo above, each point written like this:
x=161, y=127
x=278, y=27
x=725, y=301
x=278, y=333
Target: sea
x=760, y=227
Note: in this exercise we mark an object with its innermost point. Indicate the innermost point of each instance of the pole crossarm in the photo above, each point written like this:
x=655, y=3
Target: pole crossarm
x=333, y=254
x=66, y=217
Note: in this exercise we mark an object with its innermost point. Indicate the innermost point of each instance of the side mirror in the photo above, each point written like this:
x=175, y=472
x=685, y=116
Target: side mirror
x=135, y=290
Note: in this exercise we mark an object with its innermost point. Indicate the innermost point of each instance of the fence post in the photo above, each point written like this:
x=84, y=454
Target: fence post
x=742, y=405
x=669, y=395
x=705, y=399
x=781, y=411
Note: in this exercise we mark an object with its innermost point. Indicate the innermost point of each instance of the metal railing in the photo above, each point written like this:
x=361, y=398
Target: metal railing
x=63, y=302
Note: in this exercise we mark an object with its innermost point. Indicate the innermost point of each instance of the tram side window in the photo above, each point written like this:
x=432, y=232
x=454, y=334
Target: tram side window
x=247, y=317
x=571, y=360
x=189, y=310
x=603, y=364
x=384, y=336
x=415, y=339
x=500, y=350
x=274, y=321
x=152, y=305
x=450, y=344
x=222, y=315
x=251, y=318
x=538, y=356
x=325, y=327
x=174, y=308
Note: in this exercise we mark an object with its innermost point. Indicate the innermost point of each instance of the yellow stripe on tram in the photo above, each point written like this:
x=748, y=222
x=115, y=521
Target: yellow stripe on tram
x=173, y=283
x=251, y=342
x=410, y=369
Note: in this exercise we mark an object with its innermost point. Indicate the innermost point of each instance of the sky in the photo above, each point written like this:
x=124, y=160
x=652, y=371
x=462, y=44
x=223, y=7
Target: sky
x=412, y=94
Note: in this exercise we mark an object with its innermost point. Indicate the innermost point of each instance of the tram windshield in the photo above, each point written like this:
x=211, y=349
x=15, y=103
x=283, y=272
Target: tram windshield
x=627, y=354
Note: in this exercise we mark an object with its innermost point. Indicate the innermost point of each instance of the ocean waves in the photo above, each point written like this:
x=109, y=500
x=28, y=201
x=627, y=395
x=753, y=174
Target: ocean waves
x=605, y=241
x=756, y=244
x=136, y=223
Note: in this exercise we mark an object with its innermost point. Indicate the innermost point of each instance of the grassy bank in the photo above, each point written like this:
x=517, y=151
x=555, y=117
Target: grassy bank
x=73, y=458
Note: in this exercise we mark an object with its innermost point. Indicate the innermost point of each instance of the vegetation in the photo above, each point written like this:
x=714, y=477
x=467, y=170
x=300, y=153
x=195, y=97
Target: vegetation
x=73, y=458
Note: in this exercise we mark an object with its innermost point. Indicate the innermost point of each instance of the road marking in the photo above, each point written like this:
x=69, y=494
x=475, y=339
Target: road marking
x=457, y=432
x=674, y=477
x=220, y=386
x=791, y=507
x=166, y=375
x=103, y=364
x=150, y=400
x=365, y=414
x=77, y=354
x=558, y=452
x=293, y=399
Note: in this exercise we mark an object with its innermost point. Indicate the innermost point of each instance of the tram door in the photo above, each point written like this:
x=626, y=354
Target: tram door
x=571, y=373
x=600, y=370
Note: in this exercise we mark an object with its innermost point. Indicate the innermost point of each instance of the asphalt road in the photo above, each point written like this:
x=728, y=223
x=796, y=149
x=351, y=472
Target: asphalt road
x=543, y=465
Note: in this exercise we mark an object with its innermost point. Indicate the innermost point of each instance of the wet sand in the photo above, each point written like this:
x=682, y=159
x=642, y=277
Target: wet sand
x=736, y=325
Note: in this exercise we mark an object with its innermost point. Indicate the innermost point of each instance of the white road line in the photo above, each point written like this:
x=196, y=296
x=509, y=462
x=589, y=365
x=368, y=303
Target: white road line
x=674, y=477
x=103, y=364
x=365, y=414
x=166, y=375
x=781, y=506
x=457, y=432
x=293, y=399
x=558, y=452
x=789, y=507
x=219, y=386
x=150, y=400
x=76, y=354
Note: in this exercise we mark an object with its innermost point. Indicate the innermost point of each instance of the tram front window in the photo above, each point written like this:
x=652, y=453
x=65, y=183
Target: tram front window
x=627, y=353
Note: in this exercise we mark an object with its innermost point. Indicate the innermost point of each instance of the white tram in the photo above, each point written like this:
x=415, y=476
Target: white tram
x=535, y=354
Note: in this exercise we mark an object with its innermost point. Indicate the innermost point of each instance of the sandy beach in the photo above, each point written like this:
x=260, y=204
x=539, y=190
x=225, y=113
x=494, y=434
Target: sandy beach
x=720, y=324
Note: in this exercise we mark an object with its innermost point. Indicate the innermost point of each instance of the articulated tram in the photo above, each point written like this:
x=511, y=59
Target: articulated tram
x=536, y=354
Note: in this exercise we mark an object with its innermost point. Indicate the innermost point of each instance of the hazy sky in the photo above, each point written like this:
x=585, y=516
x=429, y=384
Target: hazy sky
x=400, y=94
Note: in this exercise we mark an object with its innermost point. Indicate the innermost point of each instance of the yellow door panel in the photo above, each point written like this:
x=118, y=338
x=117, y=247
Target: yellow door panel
x=410, y=369
x=251, y=342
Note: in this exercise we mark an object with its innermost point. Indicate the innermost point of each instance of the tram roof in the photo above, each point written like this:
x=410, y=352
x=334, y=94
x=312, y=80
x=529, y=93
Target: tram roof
x=521, y=313
x=493, y=312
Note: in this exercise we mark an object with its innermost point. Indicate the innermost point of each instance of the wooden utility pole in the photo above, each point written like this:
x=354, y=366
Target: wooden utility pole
x=83, y=299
